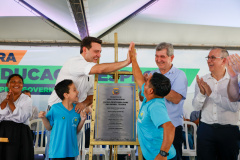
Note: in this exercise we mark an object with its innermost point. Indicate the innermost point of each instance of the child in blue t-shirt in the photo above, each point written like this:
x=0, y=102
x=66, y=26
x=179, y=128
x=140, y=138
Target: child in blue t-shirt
x=64, y=122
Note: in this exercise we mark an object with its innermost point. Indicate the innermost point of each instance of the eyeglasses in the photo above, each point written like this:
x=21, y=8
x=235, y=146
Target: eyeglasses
x=213, y=58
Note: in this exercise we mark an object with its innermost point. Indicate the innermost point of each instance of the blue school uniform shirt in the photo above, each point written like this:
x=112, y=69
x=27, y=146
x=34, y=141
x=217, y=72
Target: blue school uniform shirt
x=150, y=133
x=63, y=138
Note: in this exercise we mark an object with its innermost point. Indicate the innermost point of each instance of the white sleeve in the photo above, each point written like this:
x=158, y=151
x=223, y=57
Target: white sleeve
x=224, y=102
x=88, y=68
x=80, y=68
x=23, y=110
x=4, y=112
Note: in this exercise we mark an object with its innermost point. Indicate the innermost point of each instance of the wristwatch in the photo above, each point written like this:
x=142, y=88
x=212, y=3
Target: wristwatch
x=163, y=153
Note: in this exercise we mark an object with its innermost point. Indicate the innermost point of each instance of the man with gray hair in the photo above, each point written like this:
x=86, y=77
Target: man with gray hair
x=218, y=132
x=175, y=99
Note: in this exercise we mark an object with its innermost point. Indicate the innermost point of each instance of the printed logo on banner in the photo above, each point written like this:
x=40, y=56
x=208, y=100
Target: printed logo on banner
x=11, y=57
x=40, y=80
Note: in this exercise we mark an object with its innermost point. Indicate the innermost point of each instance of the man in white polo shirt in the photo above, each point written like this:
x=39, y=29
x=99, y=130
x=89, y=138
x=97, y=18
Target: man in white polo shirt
x=81, y=70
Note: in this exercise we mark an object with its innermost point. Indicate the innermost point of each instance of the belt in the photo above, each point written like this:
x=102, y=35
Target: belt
x=216, y=125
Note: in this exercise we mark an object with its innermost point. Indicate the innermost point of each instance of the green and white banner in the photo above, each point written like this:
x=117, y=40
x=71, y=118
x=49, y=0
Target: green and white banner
x=40, y=80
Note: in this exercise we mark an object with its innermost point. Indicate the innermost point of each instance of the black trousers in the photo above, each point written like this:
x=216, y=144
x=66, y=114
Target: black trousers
x=217, y=142
x=177, y=142
x=20, y=145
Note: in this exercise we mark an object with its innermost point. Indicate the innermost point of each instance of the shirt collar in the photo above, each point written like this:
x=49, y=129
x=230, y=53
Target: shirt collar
x=171, y=71
x=226, y=76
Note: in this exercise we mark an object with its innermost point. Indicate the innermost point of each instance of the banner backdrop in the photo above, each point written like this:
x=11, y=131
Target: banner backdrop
x=40, y=66
x=40, y=80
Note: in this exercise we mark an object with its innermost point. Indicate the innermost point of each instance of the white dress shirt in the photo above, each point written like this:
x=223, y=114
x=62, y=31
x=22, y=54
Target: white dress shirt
x=216, y=108
x=23, y=110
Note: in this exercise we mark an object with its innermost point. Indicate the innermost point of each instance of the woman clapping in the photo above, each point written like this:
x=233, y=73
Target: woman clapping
x=16, y=108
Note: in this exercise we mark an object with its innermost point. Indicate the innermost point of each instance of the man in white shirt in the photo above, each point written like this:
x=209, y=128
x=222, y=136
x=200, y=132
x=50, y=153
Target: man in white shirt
x=81, y=70
x=218, y=133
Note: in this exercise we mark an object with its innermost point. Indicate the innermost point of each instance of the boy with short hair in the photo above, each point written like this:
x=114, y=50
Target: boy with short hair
x=64, y=122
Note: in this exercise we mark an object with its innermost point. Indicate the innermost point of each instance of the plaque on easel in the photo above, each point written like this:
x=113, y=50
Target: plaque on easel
x=115, y=112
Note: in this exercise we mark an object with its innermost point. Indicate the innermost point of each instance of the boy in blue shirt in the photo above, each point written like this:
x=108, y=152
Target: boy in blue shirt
x=64, y=122
x=155, y=130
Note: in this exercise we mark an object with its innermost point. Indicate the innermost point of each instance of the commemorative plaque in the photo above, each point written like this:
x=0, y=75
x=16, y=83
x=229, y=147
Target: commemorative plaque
x=115, y=112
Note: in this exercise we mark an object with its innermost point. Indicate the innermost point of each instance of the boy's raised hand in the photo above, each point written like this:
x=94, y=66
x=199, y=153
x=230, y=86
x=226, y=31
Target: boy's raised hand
x=42, y=114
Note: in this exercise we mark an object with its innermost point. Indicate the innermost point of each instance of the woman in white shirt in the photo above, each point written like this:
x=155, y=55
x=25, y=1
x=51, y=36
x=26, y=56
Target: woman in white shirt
x=16, y=108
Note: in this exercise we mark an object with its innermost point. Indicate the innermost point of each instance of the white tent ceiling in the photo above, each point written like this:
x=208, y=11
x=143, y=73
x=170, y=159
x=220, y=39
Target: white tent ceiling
x=181, y=22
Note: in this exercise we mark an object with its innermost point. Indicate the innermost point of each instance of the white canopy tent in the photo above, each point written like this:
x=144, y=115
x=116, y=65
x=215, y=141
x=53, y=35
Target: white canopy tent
x=181, y=22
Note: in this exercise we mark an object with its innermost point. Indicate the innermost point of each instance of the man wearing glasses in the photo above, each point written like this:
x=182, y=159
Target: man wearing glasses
x=218, y=132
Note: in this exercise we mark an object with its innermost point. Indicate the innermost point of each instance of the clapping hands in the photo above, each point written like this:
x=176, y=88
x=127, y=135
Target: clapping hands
x=203, y=86
x=10, y=96
x=233, y=65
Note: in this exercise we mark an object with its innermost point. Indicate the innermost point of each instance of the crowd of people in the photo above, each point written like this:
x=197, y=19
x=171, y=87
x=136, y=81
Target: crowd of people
x=160, y=119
